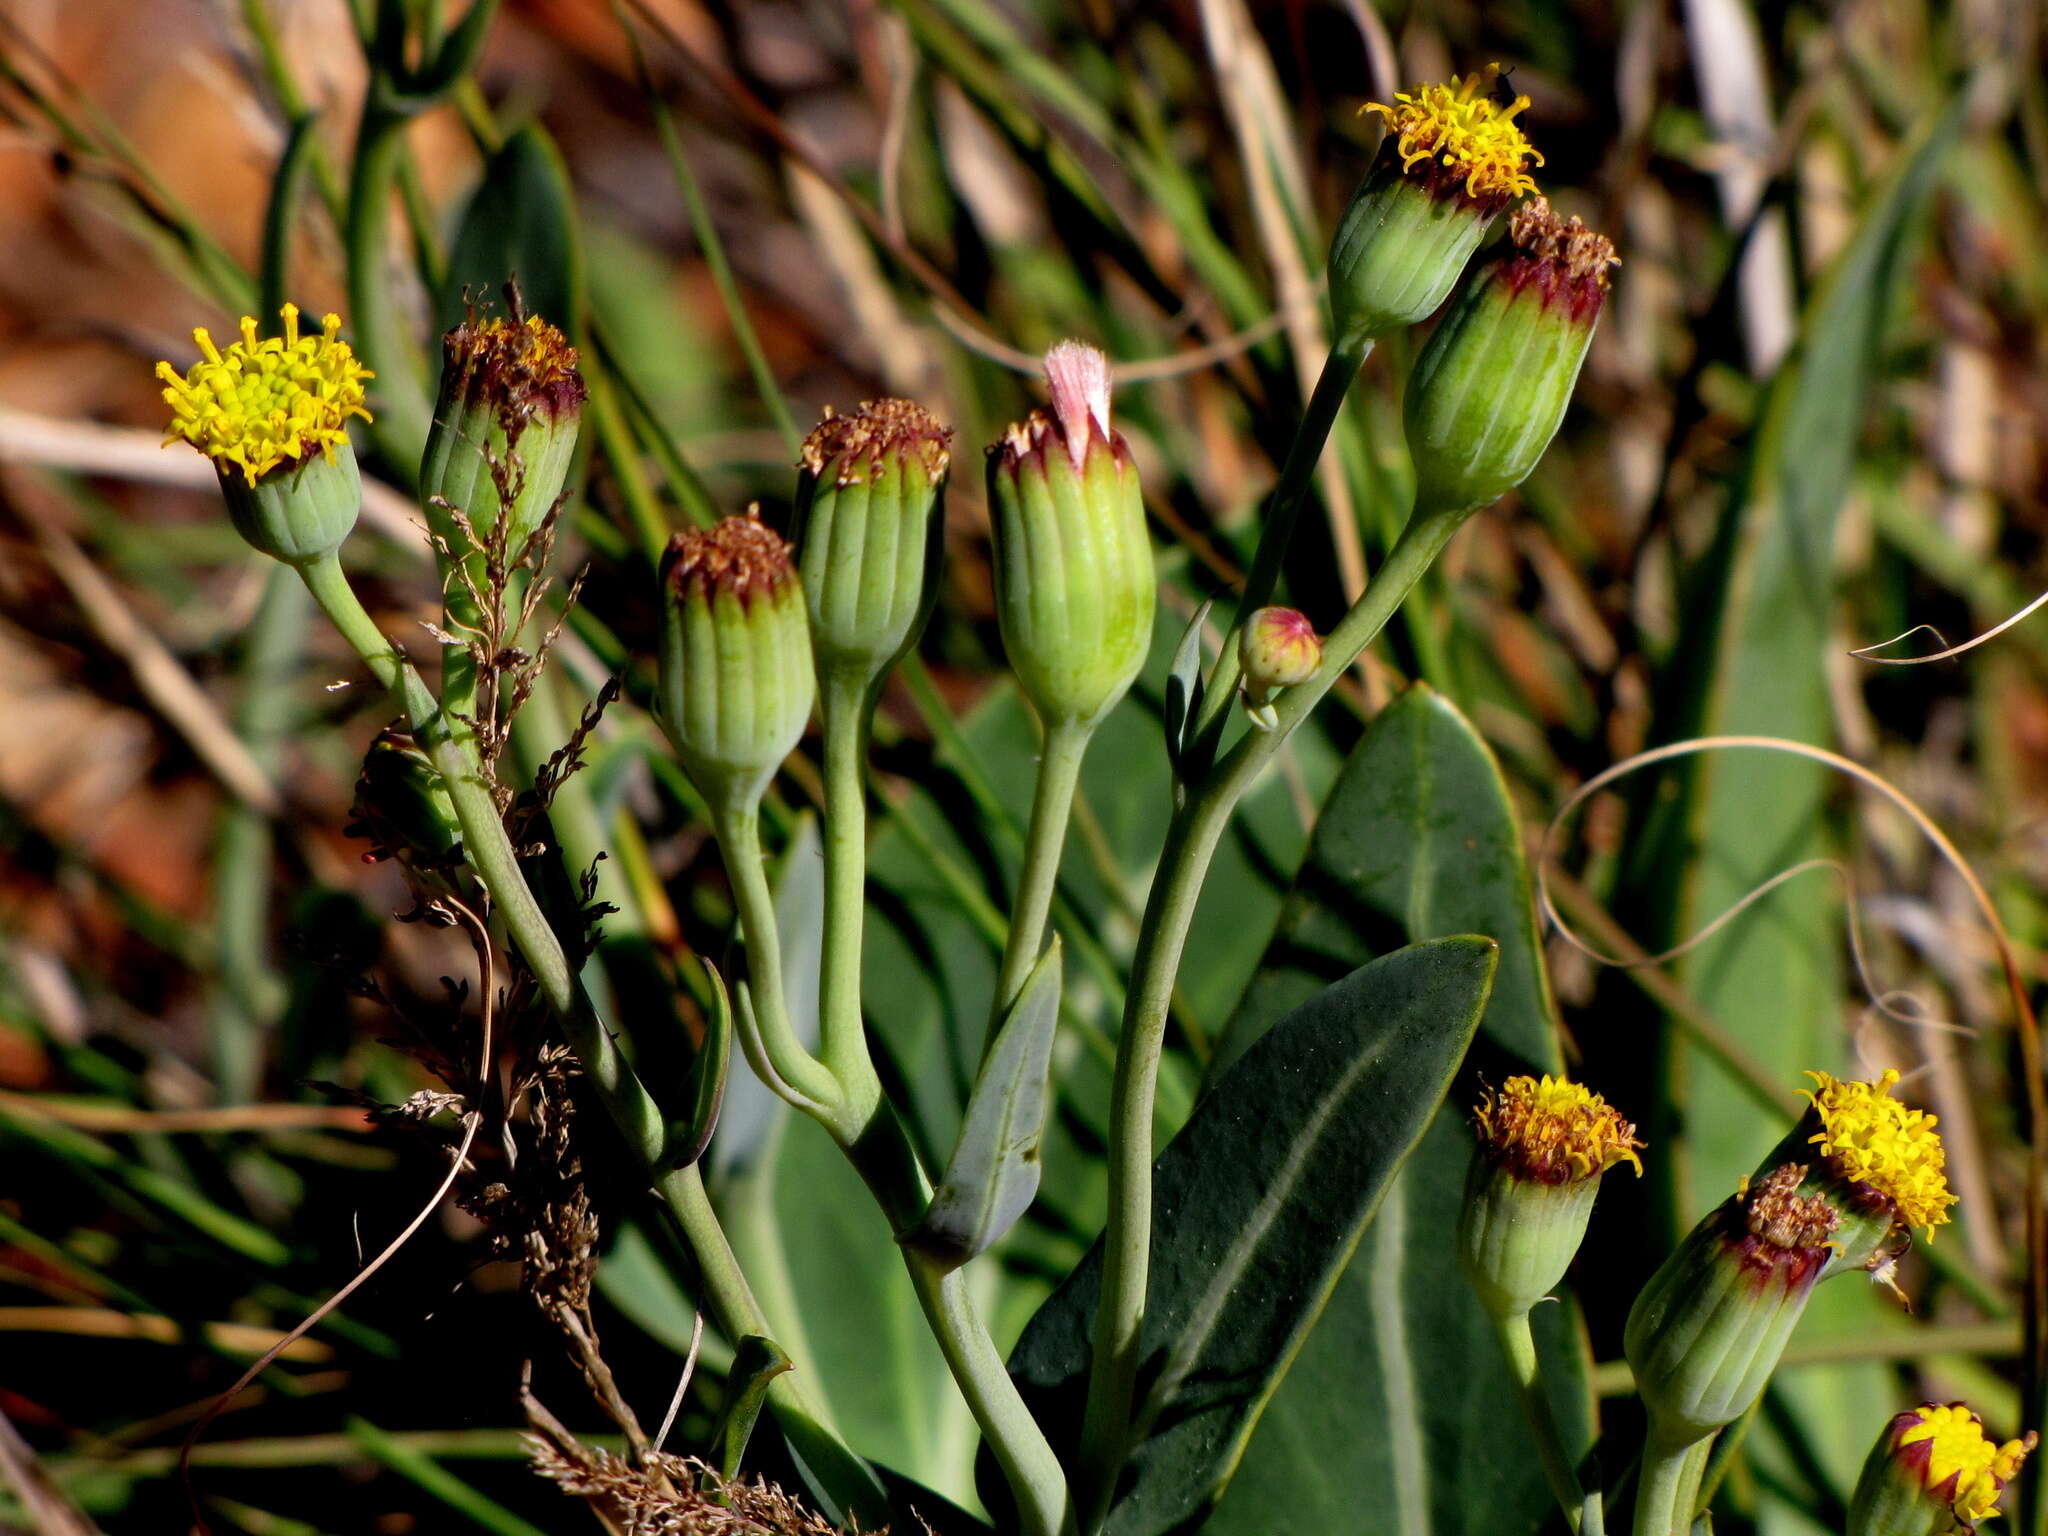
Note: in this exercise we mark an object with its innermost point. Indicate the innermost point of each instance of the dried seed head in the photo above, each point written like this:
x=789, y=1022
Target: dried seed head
x=738, y=556
x=856, y=447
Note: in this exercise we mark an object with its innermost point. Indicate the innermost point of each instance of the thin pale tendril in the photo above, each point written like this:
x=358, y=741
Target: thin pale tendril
x=1992, y=633
x=1895, y=1004
x=471, y=1122
x=675, y=1403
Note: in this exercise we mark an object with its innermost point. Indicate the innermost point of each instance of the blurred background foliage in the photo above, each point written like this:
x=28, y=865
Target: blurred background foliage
x=1813, y=417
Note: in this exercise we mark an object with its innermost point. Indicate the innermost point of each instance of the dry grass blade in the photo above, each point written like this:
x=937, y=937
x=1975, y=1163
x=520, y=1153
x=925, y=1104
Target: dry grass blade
x=52, y=1512
x=160, y=676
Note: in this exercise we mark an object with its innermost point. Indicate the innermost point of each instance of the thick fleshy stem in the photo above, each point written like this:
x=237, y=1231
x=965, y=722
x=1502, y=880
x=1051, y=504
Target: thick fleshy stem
x=404, y=409
x=625, y=1099
x=1668, y=1484
x=1283, y=511
x=1518, y=1343
x=1052, y=807
x=1191, y=842
x=737, y=823
x=846, y=704
x=879, y=1148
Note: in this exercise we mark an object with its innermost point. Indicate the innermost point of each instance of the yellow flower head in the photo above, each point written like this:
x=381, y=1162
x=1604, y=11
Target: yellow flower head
x=263, y=403
x=1462, y=129
x=1945, y=1445
x=1869, y=1137
x=1554, y=1131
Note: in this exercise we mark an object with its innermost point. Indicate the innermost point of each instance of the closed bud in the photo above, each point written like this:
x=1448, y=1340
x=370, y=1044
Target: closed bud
x=869, y=521
x=1074, y=579
x=736, y=682
x=272, y=414
x=1453, y=158
x=504, y=431
x=1933, y=1472
x=1708, y=1328
x=1543, y=1144
x=1490, y=387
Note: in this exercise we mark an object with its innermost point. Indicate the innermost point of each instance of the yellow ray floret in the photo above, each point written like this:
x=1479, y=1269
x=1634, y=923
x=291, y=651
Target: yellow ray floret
x=1462, y=127
x=1869, y=1137
x=267, y=402
x=1555, y=1130
x=1964, y=1469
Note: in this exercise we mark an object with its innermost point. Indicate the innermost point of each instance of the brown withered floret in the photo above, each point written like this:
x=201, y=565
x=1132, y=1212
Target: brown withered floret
x=740, y=555
x=856, y=444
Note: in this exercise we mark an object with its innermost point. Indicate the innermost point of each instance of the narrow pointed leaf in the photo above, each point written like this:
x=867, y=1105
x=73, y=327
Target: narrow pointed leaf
x=1184, y=686
x=993, y=1172
x=755, y=1365
x=1258, y=1205
x=707, y=1074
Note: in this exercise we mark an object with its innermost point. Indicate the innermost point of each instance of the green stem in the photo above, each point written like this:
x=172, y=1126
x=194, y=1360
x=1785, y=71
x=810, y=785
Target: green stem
x=1045, y=1506
x=738, y=1313
x=404, y=410
x=251, y=994
x=632, y=1110
x=1052, y=804
x=737, y=824
x=1283, y=511
x=1668, y=1484
x=1191, y=842
x=866, y=1125
x=1519, y=1345
x=846, y=704
x=887, y=1163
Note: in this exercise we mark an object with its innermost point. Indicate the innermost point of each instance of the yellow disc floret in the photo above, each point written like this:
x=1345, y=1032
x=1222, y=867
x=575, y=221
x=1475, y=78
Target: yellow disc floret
x=1554, y=1130
x=1963, y=1468
x=262, y=403
x=1460, y=127
x=1869, y=1137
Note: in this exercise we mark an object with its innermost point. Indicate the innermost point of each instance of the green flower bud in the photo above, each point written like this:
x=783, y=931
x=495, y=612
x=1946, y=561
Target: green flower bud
x=868, y=528
x=1708, y=1328
x=504, y=434
x=1453, y=158
x=273, y=415
x=1933, y=1472
x=1491, y=385
x=736, y=681
x=1074, y=580
x=1543, y=1145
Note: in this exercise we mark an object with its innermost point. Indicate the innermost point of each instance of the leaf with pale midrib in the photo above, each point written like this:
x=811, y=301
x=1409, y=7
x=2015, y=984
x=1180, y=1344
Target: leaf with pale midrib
x=1258, y=1205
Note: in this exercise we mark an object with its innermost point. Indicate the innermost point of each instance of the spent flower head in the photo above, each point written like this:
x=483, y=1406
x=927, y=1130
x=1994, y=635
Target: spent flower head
x=1459, y=134
x=1554, y=1131
x=868, y=528
x=267, y=400
x=736, y=679
x=1869, y=1138
x=1490, y=387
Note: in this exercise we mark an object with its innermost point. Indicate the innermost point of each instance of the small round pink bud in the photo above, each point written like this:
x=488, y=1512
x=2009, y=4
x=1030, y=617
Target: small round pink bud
x=1278, y=647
